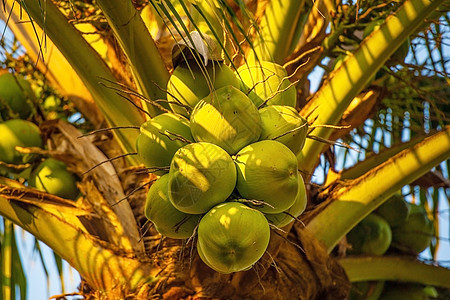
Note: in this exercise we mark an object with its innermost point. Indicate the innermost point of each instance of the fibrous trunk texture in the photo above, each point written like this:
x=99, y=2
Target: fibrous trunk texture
x=302, y=269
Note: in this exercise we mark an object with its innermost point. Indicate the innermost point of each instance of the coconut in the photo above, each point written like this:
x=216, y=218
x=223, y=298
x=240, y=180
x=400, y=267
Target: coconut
x=395, y=210
x=267, y=171
x=285, y=125
x=201, y=175
x=371, y=236
x=416, y=233
x=232, y=237
x=51, y=176
x=227, y=118
x=158, y=140
x=267, y=81
x=168, y=220
x=189, y=83
x=16, y=94
x=20, y=133
x=284, y=218
x=212, y=266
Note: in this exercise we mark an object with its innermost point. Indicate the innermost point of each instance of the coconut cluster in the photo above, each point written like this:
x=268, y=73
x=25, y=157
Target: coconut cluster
x=17, y=100
x=227, y=160
x=397, y=225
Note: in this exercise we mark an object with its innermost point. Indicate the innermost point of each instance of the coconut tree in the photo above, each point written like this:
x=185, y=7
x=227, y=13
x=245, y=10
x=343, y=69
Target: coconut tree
x=111, y=64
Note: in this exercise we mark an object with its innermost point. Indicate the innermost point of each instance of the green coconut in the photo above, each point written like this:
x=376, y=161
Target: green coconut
x=168, y=220
x=371, y=236
x=416, y=233
x=366, y=290
x=203, y=258
x=284, y=218
x=190, y=83
x=52, y=176
x=395, y=210
x=267, y=171
x=232, y=237
x=227, y=118
x=267, y=81
x=21, y=133
x=158, y=140
x=201, y=175
x=212, y=266
x=285, y=125
x=16, y=95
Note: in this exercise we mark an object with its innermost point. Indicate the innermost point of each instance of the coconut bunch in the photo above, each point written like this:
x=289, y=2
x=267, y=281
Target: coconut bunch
x=16, y=105
x=396, y=225
x=49, y=175
x=226, y=157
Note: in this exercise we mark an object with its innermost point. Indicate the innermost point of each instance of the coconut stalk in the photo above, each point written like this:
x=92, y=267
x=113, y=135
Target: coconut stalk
x=315, y=25
x=208, y=31
x=351, y=201
x=277, y=30
x=148, y=68
x=332, y=99
x=91, y=69
x=205, y=19
x=308, y=50
x=395, y=268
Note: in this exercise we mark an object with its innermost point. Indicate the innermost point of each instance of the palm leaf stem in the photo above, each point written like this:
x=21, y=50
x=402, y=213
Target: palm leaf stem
x=351, y=201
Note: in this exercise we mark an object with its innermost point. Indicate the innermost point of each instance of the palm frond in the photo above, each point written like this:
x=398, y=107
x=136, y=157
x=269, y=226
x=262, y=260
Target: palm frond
x=395, y=268
x=349, y=206
x=139, y=48
x=13, y=277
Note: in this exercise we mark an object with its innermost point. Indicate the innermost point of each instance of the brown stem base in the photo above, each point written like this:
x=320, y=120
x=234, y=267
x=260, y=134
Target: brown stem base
x=306, y=274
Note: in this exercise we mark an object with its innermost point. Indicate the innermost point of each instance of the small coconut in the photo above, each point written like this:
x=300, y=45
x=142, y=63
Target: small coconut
x=17, y=132
x=371, y=236
x=232, y=237
x=227, y=118
x=52, y=176
x=201, y=175
x=395, y=210
x=16, y=94
x=284, y=218
x=267, y=81
x=267, y=171
x=189, y=83
x=285, y=125
x=159, y=139
x=168, y=220
x=415, y=234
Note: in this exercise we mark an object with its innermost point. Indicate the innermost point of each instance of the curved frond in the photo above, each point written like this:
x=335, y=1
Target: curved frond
x=353, y=200
x=396, y=269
